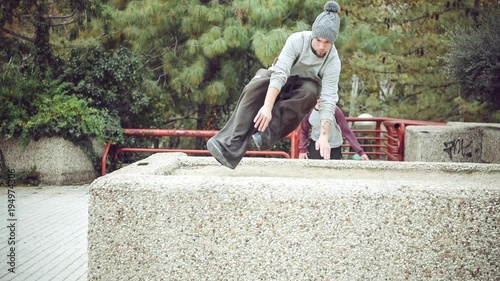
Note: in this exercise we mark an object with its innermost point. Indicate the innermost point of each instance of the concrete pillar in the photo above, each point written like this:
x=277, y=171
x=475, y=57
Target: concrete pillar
x=58, y=161
x=456, y=142
x=174, y=217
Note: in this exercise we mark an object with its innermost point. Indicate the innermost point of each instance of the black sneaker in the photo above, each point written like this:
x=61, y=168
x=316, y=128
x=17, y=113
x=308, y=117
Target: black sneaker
x=215, y=149
x=257, y=140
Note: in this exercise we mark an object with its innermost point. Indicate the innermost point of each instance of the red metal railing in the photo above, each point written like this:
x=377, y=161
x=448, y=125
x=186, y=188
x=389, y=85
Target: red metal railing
x=385, y=140
x=294, y=138
x=396, y=133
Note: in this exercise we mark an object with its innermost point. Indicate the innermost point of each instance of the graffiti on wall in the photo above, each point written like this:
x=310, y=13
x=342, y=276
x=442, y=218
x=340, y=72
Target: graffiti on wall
x=458, y=147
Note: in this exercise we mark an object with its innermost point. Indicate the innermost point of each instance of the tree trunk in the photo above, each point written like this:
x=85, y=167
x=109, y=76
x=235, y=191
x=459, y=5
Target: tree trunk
x=202, y=110
x=42, y=43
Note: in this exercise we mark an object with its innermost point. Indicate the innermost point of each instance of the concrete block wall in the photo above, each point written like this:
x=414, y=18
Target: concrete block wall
x=58, y=161
x=455, y=142
x=175, y=217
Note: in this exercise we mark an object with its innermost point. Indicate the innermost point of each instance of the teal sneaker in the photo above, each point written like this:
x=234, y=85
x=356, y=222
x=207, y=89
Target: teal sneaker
x=257, y=140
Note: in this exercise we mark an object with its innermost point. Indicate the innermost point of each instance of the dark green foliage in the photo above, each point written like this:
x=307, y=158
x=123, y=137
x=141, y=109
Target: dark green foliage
x=33, y=21
x=110, y=81
x=474, y=60
x=65, y=115
x=31, y=108
x=98, y=93
x=16, y=100
x=397, y=50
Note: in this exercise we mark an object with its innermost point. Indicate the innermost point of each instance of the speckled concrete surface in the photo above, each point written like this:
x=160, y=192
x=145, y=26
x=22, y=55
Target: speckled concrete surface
x=59, y=161
x=455, y=142
x=490, y=139
x=174, y=217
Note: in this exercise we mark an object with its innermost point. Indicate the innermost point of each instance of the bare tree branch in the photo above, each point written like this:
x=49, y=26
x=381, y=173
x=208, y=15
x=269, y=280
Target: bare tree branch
x=403, y=21
x=159, y=77
x=180, y=118
x=381, y=71
x=106, y=35
x=64, y=23
x=63, y=17
x=426, y=88
x=17, y=35
x=402, y=70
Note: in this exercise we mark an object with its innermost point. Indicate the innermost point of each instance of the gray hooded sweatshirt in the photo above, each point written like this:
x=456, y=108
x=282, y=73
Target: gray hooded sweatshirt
x=297, y=58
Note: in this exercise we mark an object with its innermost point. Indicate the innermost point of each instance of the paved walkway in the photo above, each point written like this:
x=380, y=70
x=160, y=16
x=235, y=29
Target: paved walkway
x=50, y=233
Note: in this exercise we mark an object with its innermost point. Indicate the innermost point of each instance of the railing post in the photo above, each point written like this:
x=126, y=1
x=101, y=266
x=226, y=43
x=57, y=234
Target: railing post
x=401, y=138
x=377, y=139
x=294, y=144
x=390, y=142
x=104, y=158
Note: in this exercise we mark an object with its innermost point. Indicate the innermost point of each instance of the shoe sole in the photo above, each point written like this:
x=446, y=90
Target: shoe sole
x=216, y=152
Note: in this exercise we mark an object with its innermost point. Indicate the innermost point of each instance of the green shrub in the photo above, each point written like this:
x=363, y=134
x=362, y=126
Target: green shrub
x=474, y=60
x=94, y=93
x=16, y=100
x=31, y=108
x=70, y=117
x=110, y=80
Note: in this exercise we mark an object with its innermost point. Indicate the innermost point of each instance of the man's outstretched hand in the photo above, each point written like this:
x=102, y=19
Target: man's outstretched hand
x=263, y=118
x=324, y=147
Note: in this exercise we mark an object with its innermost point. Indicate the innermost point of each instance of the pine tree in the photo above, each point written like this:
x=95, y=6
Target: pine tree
x=32, y=22
x=474, y=63
x=397, y=49
x=202, y=53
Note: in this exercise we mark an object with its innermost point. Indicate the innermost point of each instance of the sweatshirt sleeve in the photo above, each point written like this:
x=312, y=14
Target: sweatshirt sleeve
x=329, y=88
x=282, y=67
x=305, y=127
x=347, y=132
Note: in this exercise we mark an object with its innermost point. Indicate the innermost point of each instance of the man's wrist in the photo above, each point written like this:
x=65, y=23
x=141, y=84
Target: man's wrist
x=325, y=128
x=268, y=106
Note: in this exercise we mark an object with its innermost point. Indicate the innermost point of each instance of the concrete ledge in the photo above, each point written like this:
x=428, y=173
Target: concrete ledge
x=456, y=142
x=58, y=161
x=188, y=218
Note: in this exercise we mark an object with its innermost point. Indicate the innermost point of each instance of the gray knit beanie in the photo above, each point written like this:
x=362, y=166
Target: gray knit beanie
x=327, y=24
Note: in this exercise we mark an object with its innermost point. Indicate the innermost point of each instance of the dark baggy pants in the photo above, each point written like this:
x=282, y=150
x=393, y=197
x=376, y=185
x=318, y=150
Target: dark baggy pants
x=297, y=97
